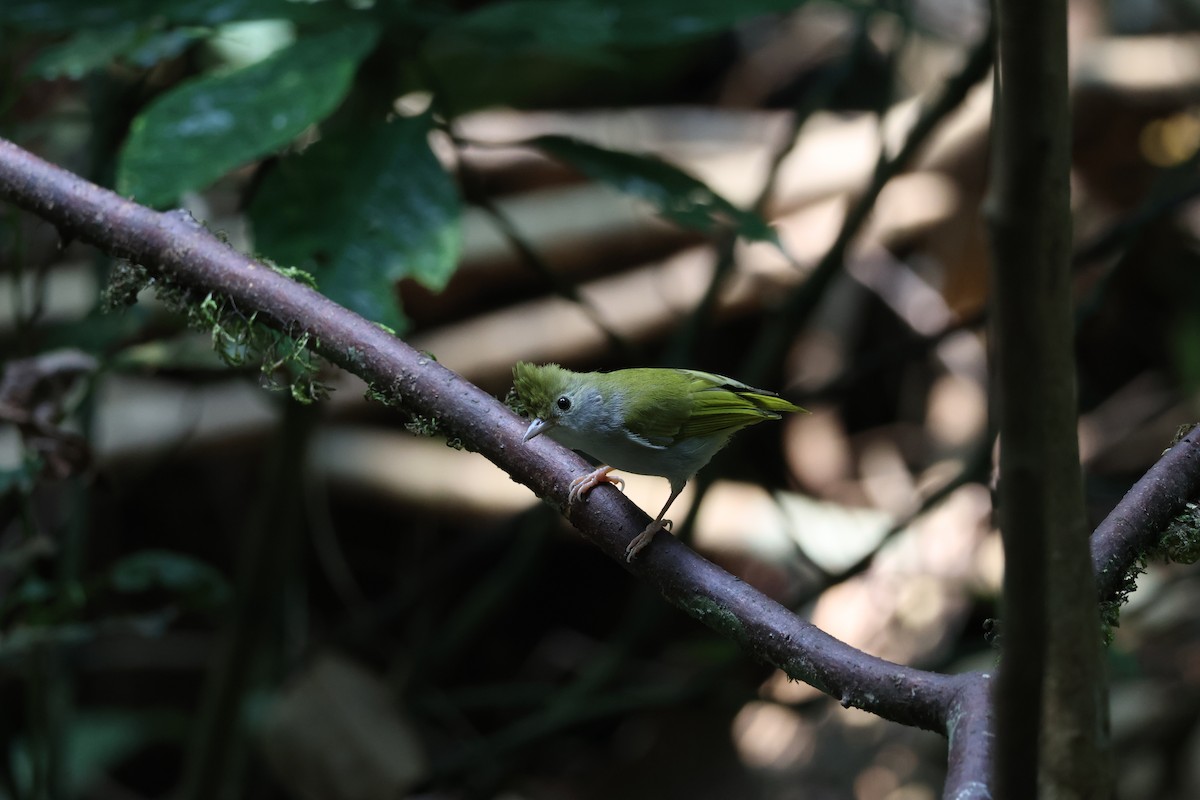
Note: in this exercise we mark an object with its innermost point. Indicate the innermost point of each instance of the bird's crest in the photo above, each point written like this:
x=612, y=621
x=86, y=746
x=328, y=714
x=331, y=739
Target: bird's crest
x=539, y=386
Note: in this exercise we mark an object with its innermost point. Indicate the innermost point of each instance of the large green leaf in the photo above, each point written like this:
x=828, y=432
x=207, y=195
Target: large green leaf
x=196, y=133
x=360, y=211
x=677, y=195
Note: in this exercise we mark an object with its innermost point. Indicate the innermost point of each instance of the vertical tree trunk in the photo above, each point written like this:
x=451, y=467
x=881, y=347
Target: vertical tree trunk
x=1051, y=702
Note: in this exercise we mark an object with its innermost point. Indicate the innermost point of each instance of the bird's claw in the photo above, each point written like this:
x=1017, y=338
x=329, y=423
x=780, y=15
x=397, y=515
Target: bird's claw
x=639, y=542
x=585, y=483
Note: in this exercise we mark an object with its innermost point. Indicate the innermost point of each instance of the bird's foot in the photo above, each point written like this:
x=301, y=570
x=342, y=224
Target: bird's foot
x=585, y=483
x=640, y=541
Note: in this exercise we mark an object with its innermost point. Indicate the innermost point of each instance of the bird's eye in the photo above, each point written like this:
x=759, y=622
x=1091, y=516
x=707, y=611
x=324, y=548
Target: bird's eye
x=563, y=403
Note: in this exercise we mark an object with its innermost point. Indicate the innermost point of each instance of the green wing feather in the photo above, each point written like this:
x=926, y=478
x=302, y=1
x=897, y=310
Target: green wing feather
x=723, y=405
x=660, y=405
x=683, y=403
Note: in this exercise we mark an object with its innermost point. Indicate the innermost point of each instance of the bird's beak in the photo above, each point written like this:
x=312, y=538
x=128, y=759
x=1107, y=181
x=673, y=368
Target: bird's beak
x=536, y=428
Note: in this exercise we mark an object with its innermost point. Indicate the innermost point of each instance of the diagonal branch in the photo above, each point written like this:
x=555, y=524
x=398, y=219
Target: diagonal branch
x=1137, y=523
x=175, y=246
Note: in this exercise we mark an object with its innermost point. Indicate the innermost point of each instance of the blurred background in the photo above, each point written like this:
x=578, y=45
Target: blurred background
x=211, y=589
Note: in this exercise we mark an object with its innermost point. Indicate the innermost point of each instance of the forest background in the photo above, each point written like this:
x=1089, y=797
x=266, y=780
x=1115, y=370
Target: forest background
x=212, y=589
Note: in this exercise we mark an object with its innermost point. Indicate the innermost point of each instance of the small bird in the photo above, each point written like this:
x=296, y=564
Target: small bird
x=666, y=422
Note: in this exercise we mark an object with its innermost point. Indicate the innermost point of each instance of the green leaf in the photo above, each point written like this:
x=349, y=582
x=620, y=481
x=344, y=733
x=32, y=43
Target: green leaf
x=677, y=195
x=360, y=211
x=196, y=133
x=197, y=584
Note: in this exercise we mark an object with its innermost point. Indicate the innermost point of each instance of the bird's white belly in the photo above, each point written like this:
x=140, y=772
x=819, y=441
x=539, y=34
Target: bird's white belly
x=618, y=449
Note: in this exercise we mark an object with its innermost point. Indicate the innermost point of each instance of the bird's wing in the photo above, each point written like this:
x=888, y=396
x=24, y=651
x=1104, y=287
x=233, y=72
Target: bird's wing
x=723, y=405
x=680, y=404
x=659, y=409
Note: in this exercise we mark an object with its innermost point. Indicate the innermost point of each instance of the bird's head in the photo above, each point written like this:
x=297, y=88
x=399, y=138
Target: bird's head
x=549, y=393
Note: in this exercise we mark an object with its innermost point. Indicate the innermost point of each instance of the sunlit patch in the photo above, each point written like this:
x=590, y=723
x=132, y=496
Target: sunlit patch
x=1170, y=141
x=956, y=412
x=771, y=736
x=413, y=104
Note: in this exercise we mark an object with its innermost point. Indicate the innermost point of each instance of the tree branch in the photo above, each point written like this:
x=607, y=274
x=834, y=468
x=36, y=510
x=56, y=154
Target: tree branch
x=971, y=759
x=1139, y=520
x=174, y=245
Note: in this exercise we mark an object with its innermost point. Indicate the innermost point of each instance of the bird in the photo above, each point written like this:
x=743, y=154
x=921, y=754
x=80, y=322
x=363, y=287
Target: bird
x=647, y=420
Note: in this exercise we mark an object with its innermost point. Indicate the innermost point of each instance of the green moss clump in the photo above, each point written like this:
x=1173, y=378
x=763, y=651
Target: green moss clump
x=514, y=402
x=286, y=361
x=715, y=615
x=432, y=427
x=382, y=396
x=1110, y=610
x=1181, y=541
x=125, y=281
x=292, y=273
